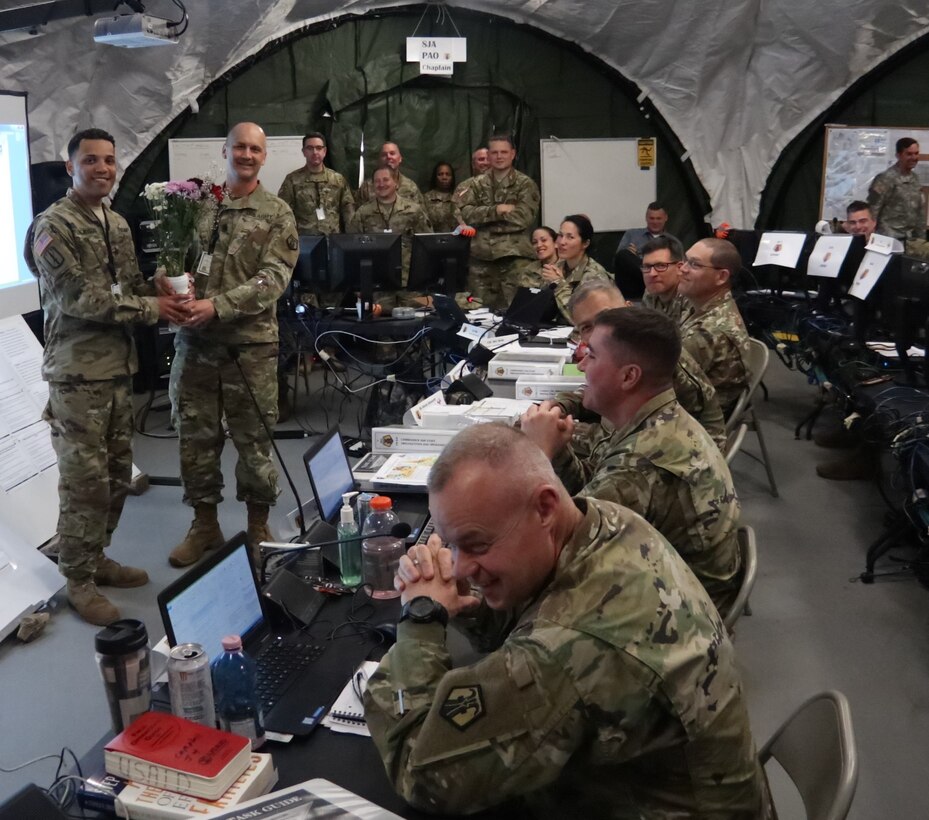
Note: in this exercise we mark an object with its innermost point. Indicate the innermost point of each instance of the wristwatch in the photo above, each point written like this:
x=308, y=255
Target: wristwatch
x=423, y=610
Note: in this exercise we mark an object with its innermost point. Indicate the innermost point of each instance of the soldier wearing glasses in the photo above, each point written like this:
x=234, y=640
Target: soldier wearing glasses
x=319, y=197
x=661, y=272
x=714, y=333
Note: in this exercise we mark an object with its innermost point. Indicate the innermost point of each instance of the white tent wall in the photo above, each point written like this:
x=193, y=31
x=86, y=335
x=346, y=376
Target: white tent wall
x=736, y=80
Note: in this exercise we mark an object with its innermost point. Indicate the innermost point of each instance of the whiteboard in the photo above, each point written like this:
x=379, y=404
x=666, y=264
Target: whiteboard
x=597, y=177
x=204, y=158
x=852, y=157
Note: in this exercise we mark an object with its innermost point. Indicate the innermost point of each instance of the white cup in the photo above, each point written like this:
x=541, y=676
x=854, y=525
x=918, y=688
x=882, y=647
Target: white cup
x=179, y=284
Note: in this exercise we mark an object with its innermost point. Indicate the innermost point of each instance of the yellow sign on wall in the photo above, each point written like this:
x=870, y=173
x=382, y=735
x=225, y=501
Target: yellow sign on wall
x=646, y=151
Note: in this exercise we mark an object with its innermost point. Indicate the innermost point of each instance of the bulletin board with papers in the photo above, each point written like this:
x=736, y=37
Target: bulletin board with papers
x=854, y=156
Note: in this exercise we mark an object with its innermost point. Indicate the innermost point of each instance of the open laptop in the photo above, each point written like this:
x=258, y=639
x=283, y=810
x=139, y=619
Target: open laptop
x=331, y=475
x=531, y=309
x=220, y=597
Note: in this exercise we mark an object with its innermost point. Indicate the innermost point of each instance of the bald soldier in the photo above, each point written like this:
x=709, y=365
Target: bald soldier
x=229, y=344
x=391, y=157
x=612, y=688
x=655, y=459
x=92, y=293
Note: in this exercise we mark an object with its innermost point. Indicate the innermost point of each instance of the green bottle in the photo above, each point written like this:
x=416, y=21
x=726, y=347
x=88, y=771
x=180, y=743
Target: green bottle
x=349, y=544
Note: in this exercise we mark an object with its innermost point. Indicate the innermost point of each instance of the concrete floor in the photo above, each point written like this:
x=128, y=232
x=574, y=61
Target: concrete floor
x=813, y=627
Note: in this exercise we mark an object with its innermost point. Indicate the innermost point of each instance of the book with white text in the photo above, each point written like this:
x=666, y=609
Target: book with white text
x=159, y=749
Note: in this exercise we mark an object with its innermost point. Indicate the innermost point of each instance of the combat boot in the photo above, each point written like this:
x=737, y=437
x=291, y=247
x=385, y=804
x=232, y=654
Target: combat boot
x=204, y=534
x=257, y=529
x=90, y=604
x=111, y=573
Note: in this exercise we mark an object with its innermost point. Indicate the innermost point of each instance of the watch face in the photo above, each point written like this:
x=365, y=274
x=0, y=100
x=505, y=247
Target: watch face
x=422, y=607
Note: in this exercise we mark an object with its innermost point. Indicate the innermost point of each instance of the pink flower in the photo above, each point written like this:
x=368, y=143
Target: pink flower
x=185, y=189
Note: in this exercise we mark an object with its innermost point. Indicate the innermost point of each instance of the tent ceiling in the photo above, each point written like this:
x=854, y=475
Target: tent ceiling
x=735, y=79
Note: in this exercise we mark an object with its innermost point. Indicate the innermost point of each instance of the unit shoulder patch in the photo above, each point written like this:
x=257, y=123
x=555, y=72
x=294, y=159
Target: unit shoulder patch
x=463, y=706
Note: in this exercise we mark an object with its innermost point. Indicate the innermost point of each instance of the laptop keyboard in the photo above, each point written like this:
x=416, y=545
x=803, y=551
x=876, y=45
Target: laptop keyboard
x=427, y=530
x=279, y=663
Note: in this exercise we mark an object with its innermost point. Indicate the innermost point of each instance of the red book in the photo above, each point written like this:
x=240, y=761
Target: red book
x=159, y=749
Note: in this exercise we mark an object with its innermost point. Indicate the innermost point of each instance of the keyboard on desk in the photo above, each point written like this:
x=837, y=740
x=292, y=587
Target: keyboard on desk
x=280, y=663
x=427, y=530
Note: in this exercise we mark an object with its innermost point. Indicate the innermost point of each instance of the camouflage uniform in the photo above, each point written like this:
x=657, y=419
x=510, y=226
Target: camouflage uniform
x=897, y=204
x=253, y=258
x=692, y=390
x=587, y=269
x=502, y=249
x=404, y=217
x=677, y=308
x=88, y=362
x=716, y=337
x=441, y=211
x=663, y=465
x=614, y=694
x=531, y=276
x=305, y=191
x=405, y=188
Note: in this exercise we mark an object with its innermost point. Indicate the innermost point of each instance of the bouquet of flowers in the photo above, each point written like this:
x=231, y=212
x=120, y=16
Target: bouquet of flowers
x=177, y=208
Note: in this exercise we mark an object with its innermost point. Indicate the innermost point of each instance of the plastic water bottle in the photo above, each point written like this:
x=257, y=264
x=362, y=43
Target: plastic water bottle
x=237, y=706
x=349, y=548
x=380, y=551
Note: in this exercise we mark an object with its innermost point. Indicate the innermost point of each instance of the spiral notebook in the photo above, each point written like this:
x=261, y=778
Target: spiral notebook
x=347, y=713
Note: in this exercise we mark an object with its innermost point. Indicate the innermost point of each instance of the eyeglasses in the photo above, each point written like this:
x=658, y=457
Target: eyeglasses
x=658, y=267
x=698, y=266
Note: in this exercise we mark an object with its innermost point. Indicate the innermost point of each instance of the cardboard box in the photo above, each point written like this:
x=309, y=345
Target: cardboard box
x=409, y=439
x=539, y=388
x=502, y=367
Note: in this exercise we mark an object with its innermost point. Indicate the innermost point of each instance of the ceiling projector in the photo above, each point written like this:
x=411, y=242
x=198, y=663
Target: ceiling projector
x=134, y=31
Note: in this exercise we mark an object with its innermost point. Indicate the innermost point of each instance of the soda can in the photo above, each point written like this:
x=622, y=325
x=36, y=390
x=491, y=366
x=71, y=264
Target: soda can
x=190, y=684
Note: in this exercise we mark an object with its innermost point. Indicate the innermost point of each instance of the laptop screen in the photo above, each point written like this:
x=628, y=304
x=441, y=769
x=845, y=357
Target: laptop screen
x=204, y=607
x=330, y=474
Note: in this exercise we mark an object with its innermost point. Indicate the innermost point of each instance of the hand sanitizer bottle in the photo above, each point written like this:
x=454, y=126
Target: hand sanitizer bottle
x=349, y=544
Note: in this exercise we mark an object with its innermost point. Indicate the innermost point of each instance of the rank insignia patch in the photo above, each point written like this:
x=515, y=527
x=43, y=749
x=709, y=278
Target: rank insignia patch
x=463, y=706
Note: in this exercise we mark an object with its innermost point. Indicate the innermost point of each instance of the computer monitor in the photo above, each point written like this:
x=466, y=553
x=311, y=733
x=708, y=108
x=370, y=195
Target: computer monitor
x=905, y=306
x=439, y=263
x=365, y=261
x=312, y=269
x=830, y=289
x=787, y=253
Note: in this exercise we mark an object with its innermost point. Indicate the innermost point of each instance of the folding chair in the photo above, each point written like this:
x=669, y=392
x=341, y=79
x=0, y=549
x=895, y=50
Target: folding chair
x=748, y=552
x=816, y=747
x=744, y=410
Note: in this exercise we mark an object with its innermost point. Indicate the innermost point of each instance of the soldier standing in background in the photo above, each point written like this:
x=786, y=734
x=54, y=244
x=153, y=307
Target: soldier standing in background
x=319, y=197
x=611, y=687
x=503, y=205
x=390, y=212
x=248, y=251
x=322, y=203
x=393, y=159
x=895, y=198
x=92, y=292
x=480, y=162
